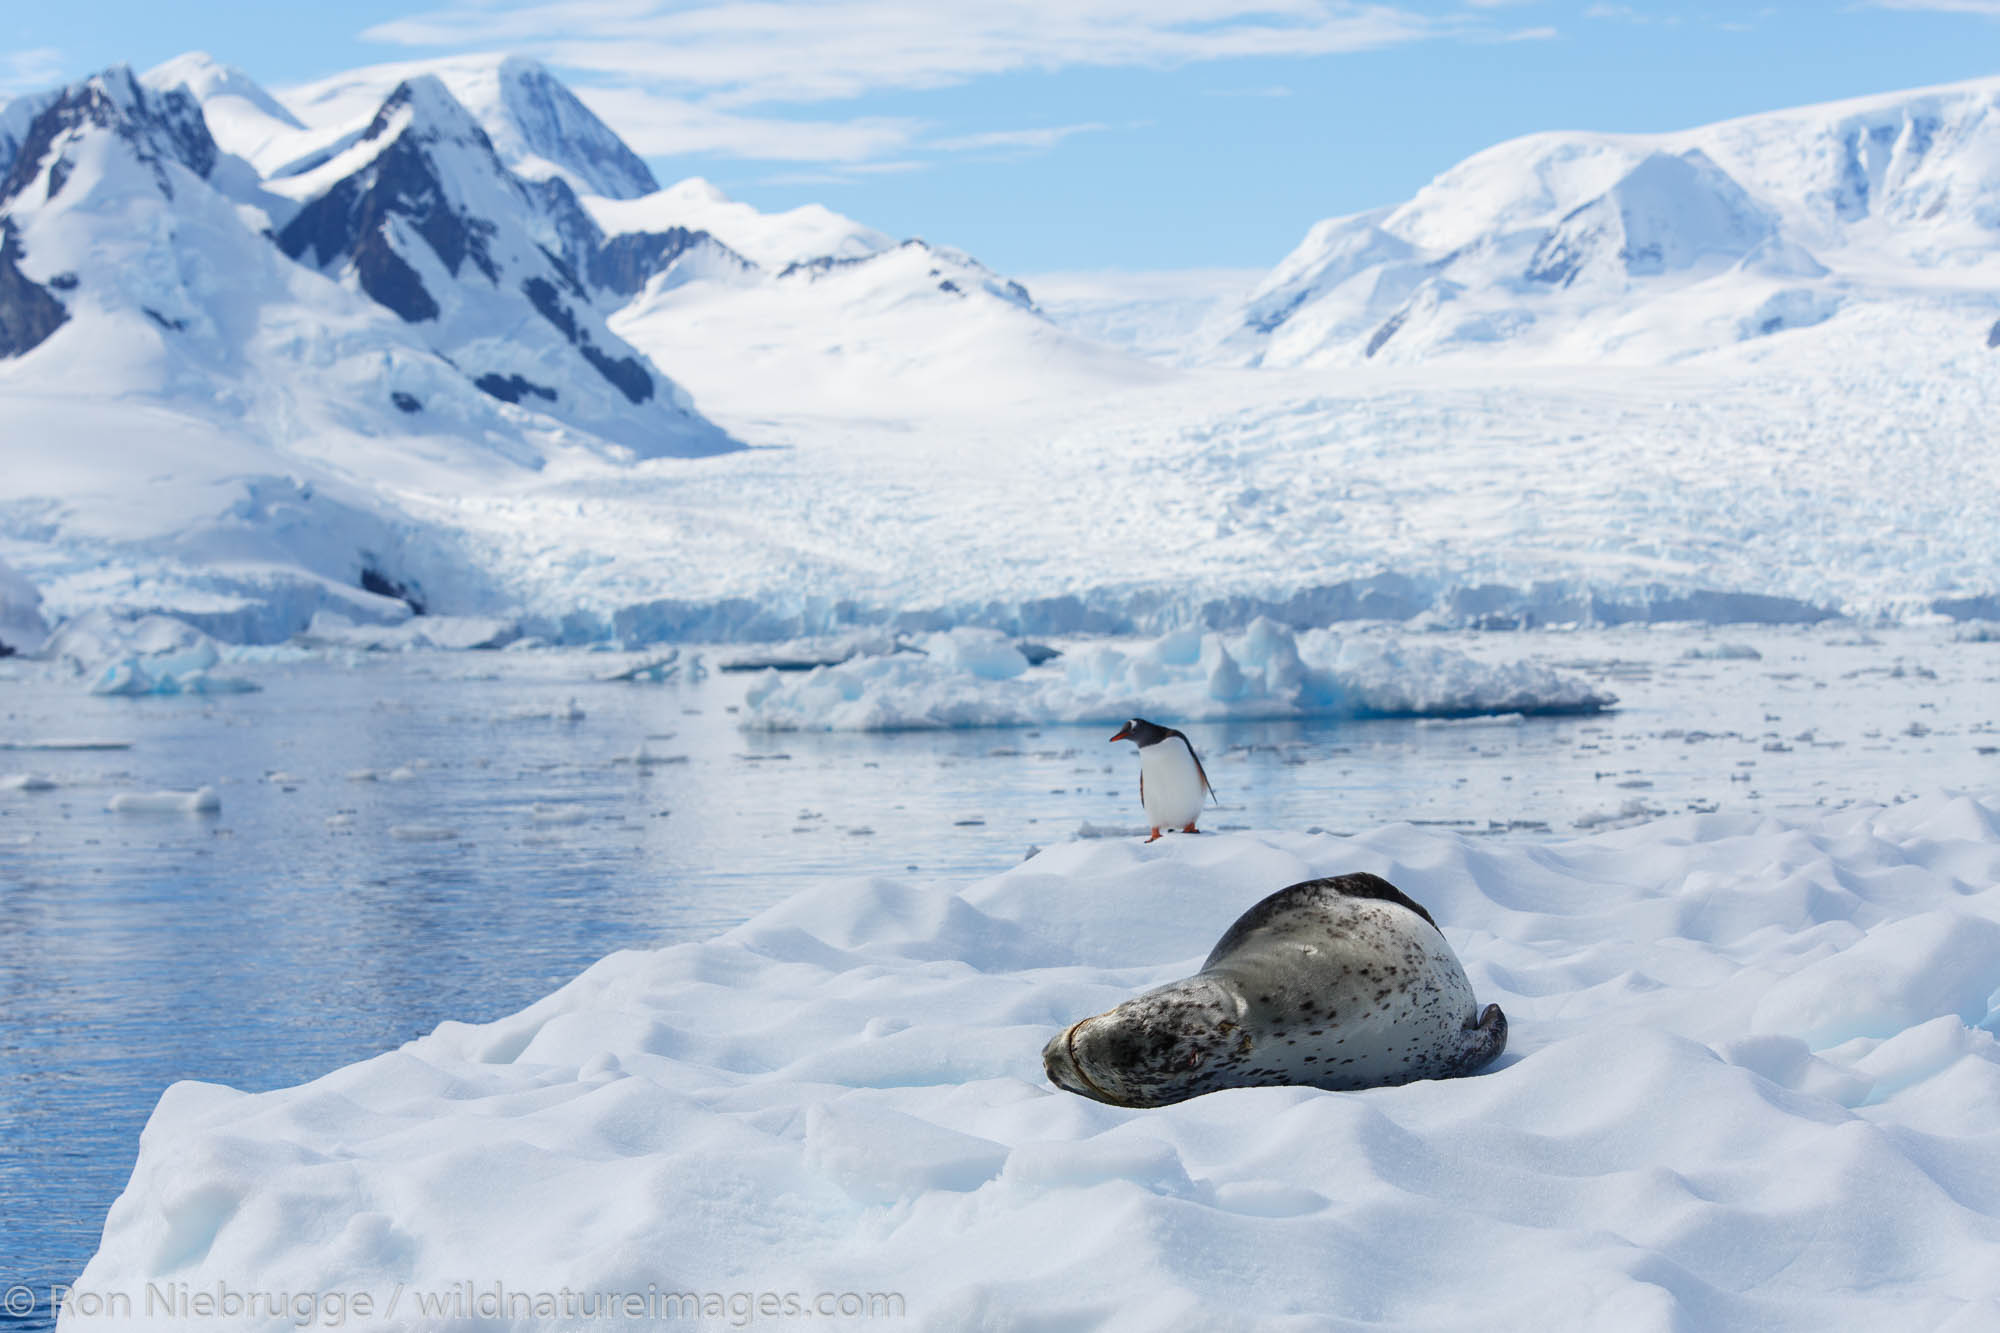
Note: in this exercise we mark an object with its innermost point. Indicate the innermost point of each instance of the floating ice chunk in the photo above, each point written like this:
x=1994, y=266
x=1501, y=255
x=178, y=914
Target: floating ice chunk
x=1723, y=652
x=330, y=629
x=645, y=756
x=422, y=832
x=26, y=782
x=63, y=744
x=1086, y=829
x=546, y=812
x=1634, y=811
x=363, y=775
x=201, y=801
x=987, y=654
x=654, y=670
x=567, y=712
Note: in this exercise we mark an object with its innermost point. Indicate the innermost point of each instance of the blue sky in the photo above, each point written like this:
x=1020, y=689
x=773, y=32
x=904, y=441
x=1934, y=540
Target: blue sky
x=1078, y=134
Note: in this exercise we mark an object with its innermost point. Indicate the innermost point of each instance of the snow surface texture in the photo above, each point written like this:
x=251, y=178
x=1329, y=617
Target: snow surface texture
x=1749, y=1085
x=977, y=678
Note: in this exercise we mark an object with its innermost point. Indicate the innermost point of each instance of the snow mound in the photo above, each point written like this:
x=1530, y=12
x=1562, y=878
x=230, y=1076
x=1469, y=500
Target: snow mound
x=1750, y=1085
x=978, y=678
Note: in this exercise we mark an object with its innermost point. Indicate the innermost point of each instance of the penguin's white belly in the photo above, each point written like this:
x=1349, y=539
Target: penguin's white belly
x=1173, y=792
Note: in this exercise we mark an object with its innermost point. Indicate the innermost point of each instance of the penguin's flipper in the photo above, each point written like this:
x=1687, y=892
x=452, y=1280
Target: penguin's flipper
x=1202, y=773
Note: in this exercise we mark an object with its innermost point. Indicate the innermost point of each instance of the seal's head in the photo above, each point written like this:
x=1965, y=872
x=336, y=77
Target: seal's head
x=1155, y=1049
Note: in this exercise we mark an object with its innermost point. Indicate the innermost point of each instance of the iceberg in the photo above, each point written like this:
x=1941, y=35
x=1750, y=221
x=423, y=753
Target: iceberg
x=978, y=678
x=1749, y=1085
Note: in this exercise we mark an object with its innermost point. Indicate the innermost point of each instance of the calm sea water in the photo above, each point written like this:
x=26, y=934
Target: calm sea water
x=405, y=839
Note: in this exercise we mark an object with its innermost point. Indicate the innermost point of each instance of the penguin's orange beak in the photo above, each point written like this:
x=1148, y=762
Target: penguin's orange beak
x=1124, y=734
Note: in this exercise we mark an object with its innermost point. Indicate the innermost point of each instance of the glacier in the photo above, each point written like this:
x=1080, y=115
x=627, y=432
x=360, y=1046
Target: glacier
x=1739, y=389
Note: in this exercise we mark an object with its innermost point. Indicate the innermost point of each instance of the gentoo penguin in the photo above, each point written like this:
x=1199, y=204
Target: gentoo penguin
x=1172, y=784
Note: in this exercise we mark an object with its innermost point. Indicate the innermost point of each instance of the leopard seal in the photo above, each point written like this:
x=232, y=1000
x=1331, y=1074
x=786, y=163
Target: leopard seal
x=1339, y=983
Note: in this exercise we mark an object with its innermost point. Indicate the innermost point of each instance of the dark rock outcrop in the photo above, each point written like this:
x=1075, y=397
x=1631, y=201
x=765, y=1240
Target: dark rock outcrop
x=513, y=388
x=28, y=314
x=159, y=128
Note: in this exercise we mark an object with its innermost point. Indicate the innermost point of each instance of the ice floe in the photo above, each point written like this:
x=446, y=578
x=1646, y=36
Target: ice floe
x=423, y=833
x=975, y=678
x=1750, y=1084
x=201, y=801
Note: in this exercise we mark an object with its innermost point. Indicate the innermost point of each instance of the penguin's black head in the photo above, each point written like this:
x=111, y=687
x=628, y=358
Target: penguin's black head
x=1142, y=733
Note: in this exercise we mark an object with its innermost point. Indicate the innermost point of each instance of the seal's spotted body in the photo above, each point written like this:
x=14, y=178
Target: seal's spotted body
x=1334, y=983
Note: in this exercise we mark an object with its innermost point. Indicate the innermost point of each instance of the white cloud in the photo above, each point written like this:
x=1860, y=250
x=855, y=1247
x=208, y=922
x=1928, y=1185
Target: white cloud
x=733, y=77
x=661, y=125
x=1033, y=140
x=741, y=52
x=30, y=70
x=1984, y=8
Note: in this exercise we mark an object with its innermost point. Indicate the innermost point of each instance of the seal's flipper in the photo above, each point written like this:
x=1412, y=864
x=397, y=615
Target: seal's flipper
x=1484, y=1040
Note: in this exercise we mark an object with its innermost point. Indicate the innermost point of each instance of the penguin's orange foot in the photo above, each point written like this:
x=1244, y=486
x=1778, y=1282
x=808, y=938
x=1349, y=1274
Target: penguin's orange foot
x=1155, y=837
x=1190, y=828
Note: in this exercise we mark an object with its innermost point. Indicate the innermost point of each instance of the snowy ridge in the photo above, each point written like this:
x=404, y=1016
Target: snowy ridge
x=1583, y=247
x=245, y=119
x=1750, y=1062
x=773, y=241
x=537, y=125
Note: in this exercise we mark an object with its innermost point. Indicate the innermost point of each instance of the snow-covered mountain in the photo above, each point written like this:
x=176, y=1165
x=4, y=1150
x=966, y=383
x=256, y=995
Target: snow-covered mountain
x=421, y=215
x=260, y=360
x=195, y=421
x=539, y=128
x=1653, y=247
x=796, y=312
x=808, y=312
x=287, y=344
